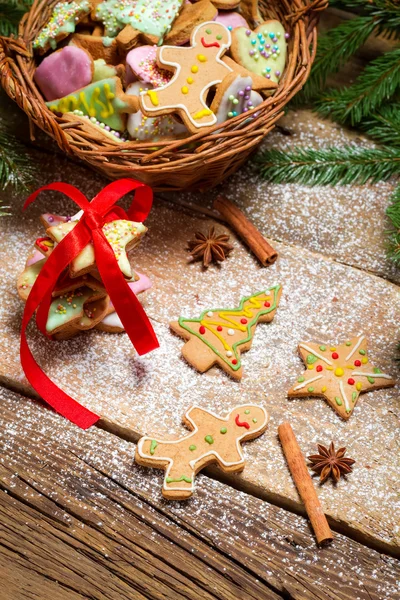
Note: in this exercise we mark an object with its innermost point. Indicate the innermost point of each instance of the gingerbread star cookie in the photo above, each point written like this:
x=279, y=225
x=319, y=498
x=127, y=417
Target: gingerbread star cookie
x=219, y=335
x=339, y=374
x=122, y=235
x=213, y=439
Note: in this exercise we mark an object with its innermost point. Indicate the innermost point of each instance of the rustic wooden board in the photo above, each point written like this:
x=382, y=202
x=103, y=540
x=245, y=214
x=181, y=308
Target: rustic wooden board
x=322, y=299
x=79, y=520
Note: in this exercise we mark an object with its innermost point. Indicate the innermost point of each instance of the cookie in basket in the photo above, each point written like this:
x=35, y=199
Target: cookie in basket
x=62, y=22
x=64, y=72
x=196, y=69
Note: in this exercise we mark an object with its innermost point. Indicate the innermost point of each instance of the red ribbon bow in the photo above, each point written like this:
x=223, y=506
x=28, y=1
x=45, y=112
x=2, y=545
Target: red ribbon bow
x=88, y=229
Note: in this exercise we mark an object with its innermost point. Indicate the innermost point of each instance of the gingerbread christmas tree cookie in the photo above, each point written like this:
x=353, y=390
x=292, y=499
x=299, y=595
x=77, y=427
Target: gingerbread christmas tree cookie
x=339, y=374
x=219, y=335
x=213, y=439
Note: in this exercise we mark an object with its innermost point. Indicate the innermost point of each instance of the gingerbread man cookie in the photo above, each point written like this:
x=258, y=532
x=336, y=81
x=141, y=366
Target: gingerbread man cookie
x=219, y=335
x=213, y=439
x=339, y=374
x=197, y=68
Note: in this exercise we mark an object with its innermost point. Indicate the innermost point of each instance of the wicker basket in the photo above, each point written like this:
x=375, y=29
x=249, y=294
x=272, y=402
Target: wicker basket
x=200, y=161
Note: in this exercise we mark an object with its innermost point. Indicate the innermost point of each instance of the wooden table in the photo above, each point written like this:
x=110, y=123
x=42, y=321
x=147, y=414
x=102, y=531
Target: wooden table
x=79, y=519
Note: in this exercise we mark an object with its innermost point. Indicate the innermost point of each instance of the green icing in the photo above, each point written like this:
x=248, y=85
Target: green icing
x=301, y=379
x=322, y=348
x=182, y=478
x=223, y=430
x=310, y=389
x=247, y=412
x=376, y=370
x=192, y=448
x=152, y=17
x=354, y=396
x=102, y=70
x=153, y=446
x=348, y=343
x=62, y=21
x=185, y=324
x=254, y=420
x=371, y=379
x=98, y=99
x=338, y=401
x=209, y=439
x=362, y=352
x=208, y=31
x=67, y=307
x=311, y=359
x=107, y=41
x=263, y=61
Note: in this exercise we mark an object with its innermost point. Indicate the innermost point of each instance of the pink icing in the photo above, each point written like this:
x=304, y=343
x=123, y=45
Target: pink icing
x=231, y=19
x=52, y=219
x=141, y=63
x=34, y=258
x=63, y=72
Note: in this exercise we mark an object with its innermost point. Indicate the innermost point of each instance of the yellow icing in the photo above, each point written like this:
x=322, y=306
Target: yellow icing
x=358, y=386
x=201, y=58
x=339, y=372
x=202, y=113
x=153, y=97
x=185, y=90
x=189, y=79
x=323, y=389
x=364, y=360
x=194, y=69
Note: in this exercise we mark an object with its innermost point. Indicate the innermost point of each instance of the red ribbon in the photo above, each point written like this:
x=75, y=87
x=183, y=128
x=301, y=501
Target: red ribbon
x=96, y=213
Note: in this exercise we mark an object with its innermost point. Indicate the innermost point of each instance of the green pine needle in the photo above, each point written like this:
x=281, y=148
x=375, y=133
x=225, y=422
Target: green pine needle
x=379, y=81
x=383, y=126
x=334, y=49
x=385, y=12
x=393, y=212
x=11, y=12
x=329, y=166
x=15, y=166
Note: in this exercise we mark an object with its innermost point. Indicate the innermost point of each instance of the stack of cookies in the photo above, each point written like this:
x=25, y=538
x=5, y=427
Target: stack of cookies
x=147, y=70
x=80, y=298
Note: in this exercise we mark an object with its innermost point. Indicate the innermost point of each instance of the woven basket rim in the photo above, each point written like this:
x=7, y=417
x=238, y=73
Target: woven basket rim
x=222, y=142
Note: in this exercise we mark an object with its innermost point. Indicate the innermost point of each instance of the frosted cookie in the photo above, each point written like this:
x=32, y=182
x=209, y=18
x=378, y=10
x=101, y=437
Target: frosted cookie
x=339, y=374
x=190, y=17
x=64, y=72
x=99, y=47
x=66, y=311
x=111, y=322
x=28, y=277
x=45, y=245
x=141, y=63
x=196, y=69
x=231, y=19
x=262, y=51
x=151, y=18
x=213, y=439
x=62, y=22
x=146, y=129
x=103, y=100
x=103, y=71
x=219, y=335
x=233, y=97
x=121, y=234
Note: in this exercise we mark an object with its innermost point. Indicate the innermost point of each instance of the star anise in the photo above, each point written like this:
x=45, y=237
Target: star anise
x=209, y=247
x=330, y=463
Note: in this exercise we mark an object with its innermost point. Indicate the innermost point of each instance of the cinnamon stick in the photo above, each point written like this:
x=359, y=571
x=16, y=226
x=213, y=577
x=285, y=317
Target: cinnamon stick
x=304, y=484
x=265, y=253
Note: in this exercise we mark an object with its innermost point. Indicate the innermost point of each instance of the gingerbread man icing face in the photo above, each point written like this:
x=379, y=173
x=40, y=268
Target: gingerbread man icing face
x=196, y=69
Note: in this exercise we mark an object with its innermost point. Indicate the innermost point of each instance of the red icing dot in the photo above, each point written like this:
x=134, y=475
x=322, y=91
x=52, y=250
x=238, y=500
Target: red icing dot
x=202, y=329
x=267, y=304
x=335, y=355
x=234, y=361
x=219, y=328
x=244, y=321
x=318, y=368
x=350, y=381
x=357, y=363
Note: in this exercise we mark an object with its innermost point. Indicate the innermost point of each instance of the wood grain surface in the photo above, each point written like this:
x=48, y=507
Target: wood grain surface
x=80, y=520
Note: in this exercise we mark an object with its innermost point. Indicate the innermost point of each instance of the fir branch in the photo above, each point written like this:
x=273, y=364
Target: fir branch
x=15, y=166
x=393, y=212
x=11, y=12
x=379, y=81
x=383, y=126
x=329, y=166
x=385, y=12
x=334, y=49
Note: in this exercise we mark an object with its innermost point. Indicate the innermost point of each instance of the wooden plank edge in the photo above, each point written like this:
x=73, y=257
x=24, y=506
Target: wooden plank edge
x=293, y=506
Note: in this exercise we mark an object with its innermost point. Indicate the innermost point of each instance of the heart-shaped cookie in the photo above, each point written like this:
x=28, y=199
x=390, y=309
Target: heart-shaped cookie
x=262, y=51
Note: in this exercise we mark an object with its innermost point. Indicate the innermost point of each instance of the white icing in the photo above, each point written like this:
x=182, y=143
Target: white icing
x=374, y=375
x=307, y=382
x=355, y=347
x=231, y=332
x=210, y=313
x=346, y=402
x=328, y=362
x=229, y=354
x=225, y=106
